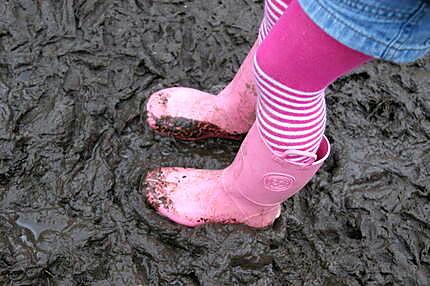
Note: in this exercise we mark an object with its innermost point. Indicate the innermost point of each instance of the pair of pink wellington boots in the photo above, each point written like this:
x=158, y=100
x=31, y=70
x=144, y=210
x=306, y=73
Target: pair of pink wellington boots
x=250, y=191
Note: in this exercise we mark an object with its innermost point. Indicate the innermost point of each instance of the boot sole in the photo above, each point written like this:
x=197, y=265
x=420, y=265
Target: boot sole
x=188, y=129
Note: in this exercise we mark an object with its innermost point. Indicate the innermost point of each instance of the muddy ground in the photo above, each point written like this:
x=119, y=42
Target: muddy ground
x=74, y=146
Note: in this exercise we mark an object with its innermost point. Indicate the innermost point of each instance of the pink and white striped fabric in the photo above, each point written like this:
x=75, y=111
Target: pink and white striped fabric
x=295, y=61
x=289, y=119
x=273, y=10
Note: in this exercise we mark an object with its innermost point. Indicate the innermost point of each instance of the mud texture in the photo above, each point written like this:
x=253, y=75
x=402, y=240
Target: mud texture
x=74, y=147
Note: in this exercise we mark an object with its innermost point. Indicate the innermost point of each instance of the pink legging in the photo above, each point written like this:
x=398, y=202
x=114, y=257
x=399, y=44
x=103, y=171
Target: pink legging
x=294, y=64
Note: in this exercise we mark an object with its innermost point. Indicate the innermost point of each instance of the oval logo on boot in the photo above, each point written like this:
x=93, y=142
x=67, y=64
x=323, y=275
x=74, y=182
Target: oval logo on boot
x=278, y=182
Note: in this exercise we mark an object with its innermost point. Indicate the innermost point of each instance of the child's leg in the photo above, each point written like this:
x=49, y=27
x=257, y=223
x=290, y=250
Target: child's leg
x=273, y=10
x=293, y=66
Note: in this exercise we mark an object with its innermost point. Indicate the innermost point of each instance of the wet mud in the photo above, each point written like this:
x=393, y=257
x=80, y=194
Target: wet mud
x=74, y=147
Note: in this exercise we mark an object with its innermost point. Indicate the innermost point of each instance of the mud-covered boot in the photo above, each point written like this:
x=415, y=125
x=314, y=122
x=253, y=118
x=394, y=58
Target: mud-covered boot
x=190, y=114
x=250, y=191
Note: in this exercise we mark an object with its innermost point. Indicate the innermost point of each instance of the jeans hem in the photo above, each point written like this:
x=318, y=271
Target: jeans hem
x=346, y=34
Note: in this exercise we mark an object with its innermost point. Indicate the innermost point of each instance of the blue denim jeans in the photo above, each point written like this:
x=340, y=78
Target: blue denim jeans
x=393, y=30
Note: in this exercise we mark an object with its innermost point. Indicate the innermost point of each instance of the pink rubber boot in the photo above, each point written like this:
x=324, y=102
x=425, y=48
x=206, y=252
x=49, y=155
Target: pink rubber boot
x=250, y=191
x=190, y=114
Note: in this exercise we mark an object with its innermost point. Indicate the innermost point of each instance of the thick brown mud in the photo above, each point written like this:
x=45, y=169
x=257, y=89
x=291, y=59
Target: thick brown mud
x=74, y=147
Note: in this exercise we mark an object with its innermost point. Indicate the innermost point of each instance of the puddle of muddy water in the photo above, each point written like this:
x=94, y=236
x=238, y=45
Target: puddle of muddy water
x=74, y=147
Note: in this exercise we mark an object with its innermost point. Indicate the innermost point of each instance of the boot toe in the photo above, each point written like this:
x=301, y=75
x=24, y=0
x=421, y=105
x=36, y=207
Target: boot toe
x=172, y=193
x=157, y=193
x=194, y=197
x=157, y=106
x=188, y=114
